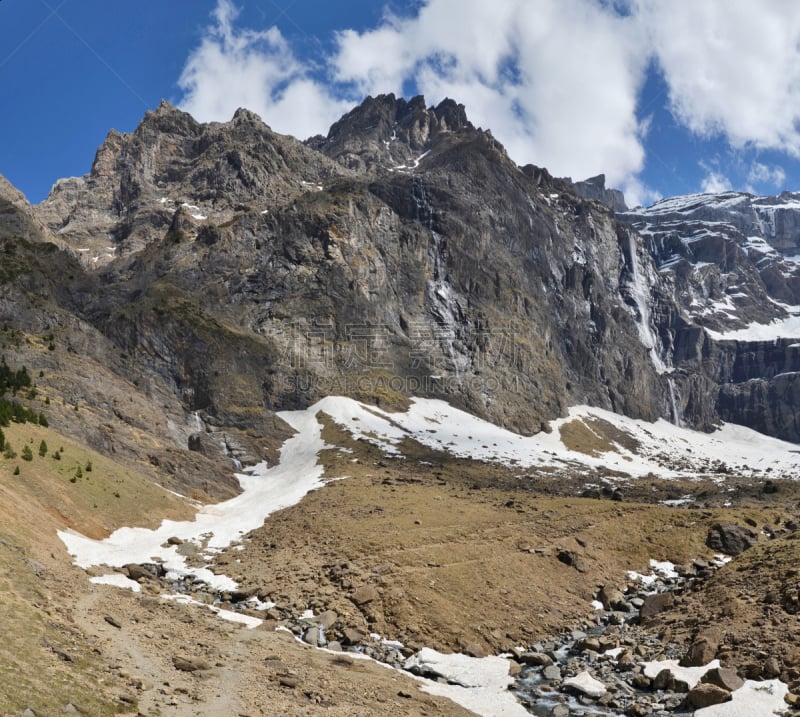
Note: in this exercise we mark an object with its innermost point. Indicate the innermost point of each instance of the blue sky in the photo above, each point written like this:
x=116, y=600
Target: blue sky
x=664, y=96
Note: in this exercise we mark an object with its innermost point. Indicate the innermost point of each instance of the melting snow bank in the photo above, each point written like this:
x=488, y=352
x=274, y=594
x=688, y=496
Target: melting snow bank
x=664, y=449
x=117, y=580
x=664, y=569
x=477, y=684
x=264, y=491
x=751, y=699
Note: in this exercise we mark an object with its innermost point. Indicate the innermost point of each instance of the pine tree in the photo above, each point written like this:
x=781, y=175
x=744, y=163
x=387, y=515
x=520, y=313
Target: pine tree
x=42, y=449
x=2, y=440
x=27, y=454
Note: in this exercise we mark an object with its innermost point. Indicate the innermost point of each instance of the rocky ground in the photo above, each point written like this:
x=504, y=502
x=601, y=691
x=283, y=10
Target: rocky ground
x=428, y=550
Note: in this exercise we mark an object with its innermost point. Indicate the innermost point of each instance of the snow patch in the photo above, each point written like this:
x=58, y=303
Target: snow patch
x=660, y=569
x=117, y=580
x=752, y=698
x=788, y=328
x=229, y=615
x=194, y=211
x=477, y=684
x=215, y=527
x=690, y=675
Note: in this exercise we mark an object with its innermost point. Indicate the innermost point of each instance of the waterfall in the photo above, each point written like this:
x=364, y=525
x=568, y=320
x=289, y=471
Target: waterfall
x=442, y=297
x=673, y=393
x=227, y=453
x=445, y=305
x=641, y=297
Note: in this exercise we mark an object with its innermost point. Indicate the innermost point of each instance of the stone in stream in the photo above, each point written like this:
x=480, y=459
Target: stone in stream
x=654, y=604
x=610, y=596
x=353, y=635
x=667, y=682
x=538, y=659
x=312, y=636
x=548, y=709
x=551, y=672
x=588, y=644
x=326, y=619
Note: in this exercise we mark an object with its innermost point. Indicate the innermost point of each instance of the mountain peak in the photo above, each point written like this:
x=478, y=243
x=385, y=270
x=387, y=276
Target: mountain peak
x=169, y=119
x=244, y=115
x=595, y=188
x=387, y=131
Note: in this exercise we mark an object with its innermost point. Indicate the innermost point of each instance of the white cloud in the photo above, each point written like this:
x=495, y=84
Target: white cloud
x=763, y=174
x=732, y=67
x=638, y=194
x=257, y=70
x=557, y=81
x=714, y=181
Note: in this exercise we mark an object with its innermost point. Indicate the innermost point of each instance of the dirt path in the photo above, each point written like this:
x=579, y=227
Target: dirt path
x=252, y=672
x=139, y=652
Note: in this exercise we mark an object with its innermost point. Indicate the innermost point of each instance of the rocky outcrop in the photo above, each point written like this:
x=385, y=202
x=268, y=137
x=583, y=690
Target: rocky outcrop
x=595, y=188
x=139, y=181
x=730, y=539
x=389, y=134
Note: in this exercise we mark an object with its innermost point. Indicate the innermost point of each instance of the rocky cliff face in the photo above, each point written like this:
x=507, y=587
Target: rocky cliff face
x=403, y=254
x=732, y=262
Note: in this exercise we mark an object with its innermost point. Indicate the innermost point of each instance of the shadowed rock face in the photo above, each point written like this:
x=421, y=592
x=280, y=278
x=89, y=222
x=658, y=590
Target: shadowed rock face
x=403, y=254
